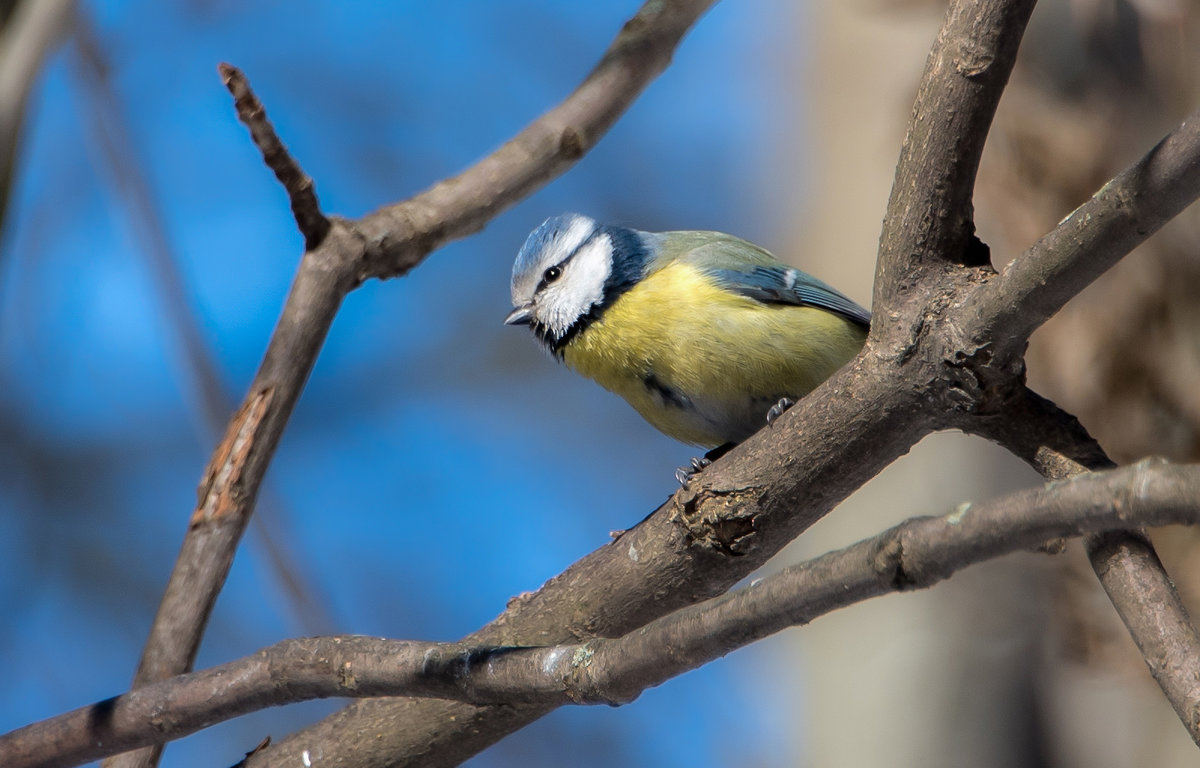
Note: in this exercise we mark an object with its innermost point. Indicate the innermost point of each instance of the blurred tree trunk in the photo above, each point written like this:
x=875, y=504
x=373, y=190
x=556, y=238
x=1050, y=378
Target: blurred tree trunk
x=1022, y=662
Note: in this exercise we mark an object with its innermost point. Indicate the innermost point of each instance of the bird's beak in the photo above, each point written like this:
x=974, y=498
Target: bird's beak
x=522, y=315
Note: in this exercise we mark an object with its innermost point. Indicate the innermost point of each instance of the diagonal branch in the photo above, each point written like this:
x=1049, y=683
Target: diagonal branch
x=209, y=402
x=1145, y=598
x=987, y=338
x=913, y=555
x=1120, y=216
x=744, y=507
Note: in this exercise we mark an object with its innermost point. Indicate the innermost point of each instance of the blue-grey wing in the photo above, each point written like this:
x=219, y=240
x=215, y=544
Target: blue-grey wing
x=779, y=284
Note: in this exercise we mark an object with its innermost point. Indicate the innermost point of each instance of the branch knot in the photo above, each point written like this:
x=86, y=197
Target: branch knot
x=718, y=519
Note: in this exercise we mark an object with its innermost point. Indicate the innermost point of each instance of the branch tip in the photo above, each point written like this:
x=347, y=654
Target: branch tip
x=306, y=209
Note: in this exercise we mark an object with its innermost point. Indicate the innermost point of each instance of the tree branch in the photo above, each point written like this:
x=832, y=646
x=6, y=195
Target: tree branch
x=986, y=339
x=397, y=237
x=913, y=555
x=209, y=401
x=1145, y=598
x=930, y=219
x=1120, y=216
x=33, y=29
x=1057, y=445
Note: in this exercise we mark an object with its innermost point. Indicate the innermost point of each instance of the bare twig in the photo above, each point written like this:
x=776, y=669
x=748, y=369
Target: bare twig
x=916, y=554
x=303, y=196
x=212, y=403
x=1140, y=589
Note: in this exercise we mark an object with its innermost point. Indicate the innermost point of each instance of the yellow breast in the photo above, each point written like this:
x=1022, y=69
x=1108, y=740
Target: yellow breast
x=702, y=364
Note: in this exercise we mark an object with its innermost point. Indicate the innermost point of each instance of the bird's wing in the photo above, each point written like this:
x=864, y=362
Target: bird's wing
x=744, y=268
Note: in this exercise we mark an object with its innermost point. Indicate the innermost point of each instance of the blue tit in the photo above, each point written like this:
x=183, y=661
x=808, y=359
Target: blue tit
x=701, y=332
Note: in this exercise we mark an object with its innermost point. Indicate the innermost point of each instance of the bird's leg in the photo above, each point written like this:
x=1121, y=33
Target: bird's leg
x=778, y=409
x=685, y=474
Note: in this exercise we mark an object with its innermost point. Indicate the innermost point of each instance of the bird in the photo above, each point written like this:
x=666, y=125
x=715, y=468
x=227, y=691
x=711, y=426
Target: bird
x=706, y=335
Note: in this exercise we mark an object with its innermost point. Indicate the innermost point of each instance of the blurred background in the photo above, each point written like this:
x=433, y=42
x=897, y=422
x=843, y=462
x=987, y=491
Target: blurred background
x=438, y=463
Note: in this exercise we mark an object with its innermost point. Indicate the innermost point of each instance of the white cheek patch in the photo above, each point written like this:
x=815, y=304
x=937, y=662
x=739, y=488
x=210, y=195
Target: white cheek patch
x=590, y=269
x=581, y=286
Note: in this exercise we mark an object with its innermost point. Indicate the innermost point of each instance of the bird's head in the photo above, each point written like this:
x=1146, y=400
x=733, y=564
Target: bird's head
x=569, y=269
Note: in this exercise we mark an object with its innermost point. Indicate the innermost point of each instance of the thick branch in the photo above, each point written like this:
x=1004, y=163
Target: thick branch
x=913, y=555
x=929, y=216
x=1048, y=438
x=985, y=340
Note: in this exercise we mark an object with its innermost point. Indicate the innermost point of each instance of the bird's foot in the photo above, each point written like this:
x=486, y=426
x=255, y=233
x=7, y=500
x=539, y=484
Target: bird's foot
x=685, y=474
x=778, y=409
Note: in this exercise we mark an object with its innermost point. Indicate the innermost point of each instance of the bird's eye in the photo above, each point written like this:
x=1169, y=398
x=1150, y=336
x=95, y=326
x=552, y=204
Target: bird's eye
x=551, y=274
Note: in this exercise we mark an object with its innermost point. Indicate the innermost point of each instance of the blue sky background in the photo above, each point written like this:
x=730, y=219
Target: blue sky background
x=438, y=463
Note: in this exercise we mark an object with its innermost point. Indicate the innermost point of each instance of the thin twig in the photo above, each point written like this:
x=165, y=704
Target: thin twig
x=300, y=190
x=913, y=555
x=211, y=403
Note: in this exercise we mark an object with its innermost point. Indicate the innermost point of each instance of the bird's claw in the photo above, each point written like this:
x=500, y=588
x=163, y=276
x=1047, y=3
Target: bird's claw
x=779, y=409
x=685, y=474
